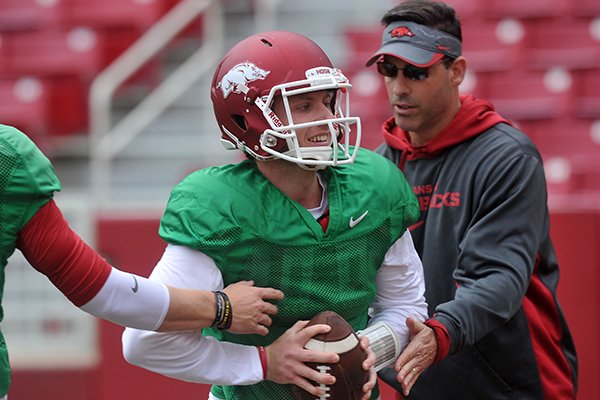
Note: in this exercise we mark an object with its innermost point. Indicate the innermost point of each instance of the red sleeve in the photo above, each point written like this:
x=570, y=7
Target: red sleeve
x=52, y=248
x=442, y=337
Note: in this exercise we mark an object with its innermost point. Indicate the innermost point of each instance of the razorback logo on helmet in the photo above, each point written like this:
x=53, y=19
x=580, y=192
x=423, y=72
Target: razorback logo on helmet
x=401, y=31
x=239, y=76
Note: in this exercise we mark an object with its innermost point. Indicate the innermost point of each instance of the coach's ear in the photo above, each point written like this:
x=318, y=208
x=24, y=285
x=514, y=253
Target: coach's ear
x=457, y=71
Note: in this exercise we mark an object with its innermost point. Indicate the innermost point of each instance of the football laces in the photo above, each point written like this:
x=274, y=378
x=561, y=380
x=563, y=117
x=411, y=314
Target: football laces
x=324, y=369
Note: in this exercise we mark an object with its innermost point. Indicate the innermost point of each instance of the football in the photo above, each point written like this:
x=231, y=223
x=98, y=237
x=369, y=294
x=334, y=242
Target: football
x=349, y=374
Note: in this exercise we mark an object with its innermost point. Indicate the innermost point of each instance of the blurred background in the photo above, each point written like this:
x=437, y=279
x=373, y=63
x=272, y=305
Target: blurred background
x=116, y=93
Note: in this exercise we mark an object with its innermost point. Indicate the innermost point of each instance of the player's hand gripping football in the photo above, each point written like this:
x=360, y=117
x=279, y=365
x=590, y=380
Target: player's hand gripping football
x=251, y=311
x=368, y=365
x=287, y=358
x=289, y=361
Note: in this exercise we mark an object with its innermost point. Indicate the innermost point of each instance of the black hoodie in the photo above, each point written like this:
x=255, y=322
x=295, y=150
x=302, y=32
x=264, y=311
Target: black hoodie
x=490, y=268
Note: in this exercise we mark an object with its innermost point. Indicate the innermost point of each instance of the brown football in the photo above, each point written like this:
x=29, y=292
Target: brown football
x=349, y=374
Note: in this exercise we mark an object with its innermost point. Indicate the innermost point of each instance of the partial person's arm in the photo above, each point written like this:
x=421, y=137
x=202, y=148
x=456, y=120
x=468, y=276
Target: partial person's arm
x=400, y=288
x=400, y=300
x=190, y=356
x=498, y=251
x=92, y=284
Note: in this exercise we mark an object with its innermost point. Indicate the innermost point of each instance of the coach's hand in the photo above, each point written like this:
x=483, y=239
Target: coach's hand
x=286, y=358
x=250, y=310
x=418, y=355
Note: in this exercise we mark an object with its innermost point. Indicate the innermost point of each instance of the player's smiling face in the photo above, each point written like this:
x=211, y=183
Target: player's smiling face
x=308, y=107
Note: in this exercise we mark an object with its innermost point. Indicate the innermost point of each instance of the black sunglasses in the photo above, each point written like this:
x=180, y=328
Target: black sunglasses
x=411, y=72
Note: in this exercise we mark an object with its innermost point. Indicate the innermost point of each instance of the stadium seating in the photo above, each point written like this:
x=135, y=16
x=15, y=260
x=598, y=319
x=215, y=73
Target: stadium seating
x=526, y=9
x=116, y=13
x=572, y=43
x=22, y=15
x=80, y=50
x=493, y=45
x=566, y=136
x=65, y=62
x=525, y=95
x=361, y=43
x=41, y=105
x=570, y=148
x=468, y=9
x=63, y=45
x=586, y=103
x=23, y=104
x=585, y=8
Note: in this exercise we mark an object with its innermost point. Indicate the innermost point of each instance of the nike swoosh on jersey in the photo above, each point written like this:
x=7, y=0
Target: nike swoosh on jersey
x=353, y=222
x=134, y=288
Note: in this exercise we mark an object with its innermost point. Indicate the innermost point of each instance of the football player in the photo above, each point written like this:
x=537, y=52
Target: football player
x=302, y=214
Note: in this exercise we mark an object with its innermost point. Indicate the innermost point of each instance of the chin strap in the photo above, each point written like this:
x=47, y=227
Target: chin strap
x=321, y=153
x=384, y=343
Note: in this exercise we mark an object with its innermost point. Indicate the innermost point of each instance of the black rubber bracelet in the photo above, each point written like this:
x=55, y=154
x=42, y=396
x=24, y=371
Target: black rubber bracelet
x=220, y=306
x=227, y=319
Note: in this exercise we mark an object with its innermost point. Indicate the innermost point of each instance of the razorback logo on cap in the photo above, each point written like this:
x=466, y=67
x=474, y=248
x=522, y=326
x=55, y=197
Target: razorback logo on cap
x=401, y=31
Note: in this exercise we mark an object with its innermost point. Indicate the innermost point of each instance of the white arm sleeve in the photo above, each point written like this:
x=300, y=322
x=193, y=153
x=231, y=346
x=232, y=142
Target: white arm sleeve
x=190, y=356
x=130, y=300
x=400, y=288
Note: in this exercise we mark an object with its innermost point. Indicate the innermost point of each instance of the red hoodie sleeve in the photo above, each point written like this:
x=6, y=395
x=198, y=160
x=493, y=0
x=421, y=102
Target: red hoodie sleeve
x=442, y=337
x=52, y=248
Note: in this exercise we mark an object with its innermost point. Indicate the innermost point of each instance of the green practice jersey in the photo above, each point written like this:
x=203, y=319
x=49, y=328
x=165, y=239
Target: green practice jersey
x=27, y=182
x=255, y=232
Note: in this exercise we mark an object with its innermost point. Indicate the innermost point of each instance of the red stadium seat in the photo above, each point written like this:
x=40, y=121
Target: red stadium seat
x=572, y=174
x=21, y=15
x=82, y=51
x=23, y=104
x=468, y=9
x=44, y=107
x=361, y=44
x=116, y=13
x=493, y=45
x=525, y=95
x=586, y=103
x=572, y=43
x=585, y=8
x=4, y=57
x=565, y=136
x=570, y=149
x=68, y=109
x=526, y=8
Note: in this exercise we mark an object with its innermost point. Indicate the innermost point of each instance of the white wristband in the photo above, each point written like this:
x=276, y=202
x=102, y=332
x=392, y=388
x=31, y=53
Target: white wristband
x=384, y=343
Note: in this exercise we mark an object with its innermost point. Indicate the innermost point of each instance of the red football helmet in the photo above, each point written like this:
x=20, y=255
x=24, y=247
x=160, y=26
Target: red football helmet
x=267, y=65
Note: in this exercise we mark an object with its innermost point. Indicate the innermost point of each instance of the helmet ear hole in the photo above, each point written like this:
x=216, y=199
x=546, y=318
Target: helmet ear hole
x=240, y=121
